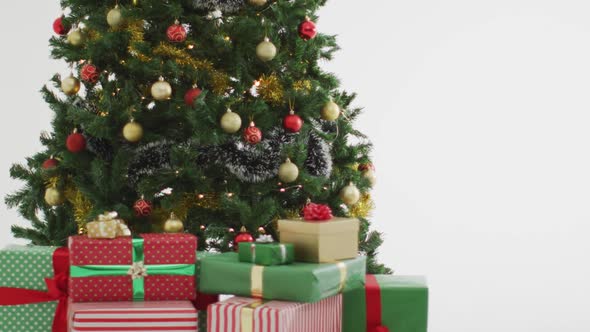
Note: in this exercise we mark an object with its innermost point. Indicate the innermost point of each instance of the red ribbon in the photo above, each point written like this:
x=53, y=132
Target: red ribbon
x=373, y=299
x=204, y=300
x=57, y=290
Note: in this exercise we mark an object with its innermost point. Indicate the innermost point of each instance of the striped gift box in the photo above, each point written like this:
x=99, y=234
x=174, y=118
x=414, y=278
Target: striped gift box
x=240, y=314
x=164, y=316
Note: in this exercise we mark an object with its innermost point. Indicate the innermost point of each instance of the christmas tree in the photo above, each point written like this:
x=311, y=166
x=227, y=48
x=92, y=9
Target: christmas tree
x=215, y=111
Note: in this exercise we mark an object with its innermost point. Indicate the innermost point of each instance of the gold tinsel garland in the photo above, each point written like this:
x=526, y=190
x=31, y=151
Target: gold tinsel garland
x=363, y=208
x=81, y=206
x=271, y=89
x=219, y=81
x=302, y=86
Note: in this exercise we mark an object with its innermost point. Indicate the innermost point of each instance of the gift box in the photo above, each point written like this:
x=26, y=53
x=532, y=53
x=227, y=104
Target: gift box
x=387, y=303
x=164, y=316
x=33, y=288
x=252, y=315
x=299, y=282
x=323, y=241
x=267, y=254
x=155, y=267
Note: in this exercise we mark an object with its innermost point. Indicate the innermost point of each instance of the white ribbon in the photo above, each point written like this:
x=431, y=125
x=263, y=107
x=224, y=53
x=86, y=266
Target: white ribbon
x=265, y=239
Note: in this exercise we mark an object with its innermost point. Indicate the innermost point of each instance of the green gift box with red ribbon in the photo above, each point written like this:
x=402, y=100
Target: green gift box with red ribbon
x=387, y=303
x=33, y=288
x=155, y=267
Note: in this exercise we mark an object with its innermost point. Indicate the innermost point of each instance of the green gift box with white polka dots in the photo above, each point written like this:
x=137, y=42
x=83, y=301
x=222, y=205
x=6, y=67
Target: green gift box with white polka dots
x=26, y=267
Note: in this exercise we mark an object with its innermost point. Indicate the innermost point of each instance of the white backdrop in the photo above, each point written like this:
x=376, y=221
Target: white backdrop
x=479, y=114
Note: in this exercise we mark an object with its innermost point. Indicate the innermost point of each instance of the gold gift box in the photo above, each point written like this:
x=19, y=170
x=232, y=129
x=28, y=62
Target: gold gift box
x=321, y=242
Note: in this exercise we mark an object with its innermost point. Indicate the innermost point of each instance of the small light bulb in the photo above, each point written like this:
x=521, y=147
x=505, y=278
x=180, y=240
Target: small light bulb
x=231, y=230
x=282, y=190
x=230, y=195
x=201, y=196
x=190, y=46
x=202, y=227
x=226, y=38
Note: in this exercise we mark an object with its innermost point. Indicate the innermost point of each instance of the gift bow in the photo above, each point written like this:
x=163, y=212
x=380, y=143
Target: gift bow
x=265, y=239
x=57, y=290
x=137, y=271
x=122, y=229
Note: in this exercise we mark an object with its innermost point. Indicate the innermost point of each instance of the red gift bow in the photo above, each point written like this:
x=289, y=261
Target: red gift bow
x=373, y=299
x=57, y=290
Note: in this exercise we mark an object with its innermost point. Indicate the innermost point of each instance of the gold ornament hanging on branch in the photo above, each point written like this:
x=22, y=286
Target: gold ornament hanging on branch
x=271, y=89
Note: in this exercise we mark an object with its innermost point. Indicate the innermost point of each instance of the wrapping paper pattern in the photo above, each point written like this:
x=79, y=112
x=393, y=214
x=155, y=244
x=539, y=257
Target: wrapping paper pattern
x=165, y=316
x=26, y=267
x=299, y=282
x=250, y=315
x=158, y=249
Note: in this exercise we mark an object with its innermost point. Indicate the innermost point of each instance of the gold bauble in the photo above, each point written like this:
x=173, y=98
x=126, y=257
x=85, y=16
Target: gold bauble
x=161, y=90
x=76, y=37
x=54, y=197
x=70, y=85
x=266, y=50
x=350, y=194
x=133, y=132
x=231, y=122
x=371, y=176
x=173, y=224
x=257, y=2
x=288, y=172
x=115, y=17
x=331, y=111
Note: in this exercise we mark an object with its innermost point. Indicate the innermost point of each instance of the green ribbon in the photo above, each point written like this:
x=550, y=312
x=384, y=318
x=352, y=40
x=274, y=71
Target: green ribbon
x=82, y=271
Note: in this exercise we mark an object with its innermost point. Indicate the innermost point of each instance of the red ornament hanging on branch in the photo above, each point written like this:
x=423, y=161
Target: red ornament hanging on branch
x=307, y=29
x=59, y=27
x=89, y=73
x=292, y=122
x=50, y=163
x=76, y=142
x=176, y=33
x=243, y=236
x=142, y=207
x=191, y=95
x=252, y=134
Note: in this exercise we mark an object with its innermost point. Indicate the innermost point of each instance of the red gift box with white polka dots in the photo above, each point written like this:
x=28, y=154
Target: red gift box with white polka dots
x=158, y=249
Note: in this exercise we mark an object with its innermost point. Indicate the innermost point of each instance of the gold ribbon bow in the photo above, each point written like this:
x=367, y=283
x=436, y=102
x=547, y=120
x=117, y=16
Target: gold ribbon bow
x=108, y=226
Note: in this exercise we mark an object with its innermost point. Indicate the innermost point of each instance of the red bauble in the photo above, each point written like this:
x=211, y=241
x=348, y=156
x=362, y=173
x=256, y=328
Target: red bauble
x=142, y=208
x=50, y=163
x=307, y=29
x=76, y=143
x=59, y=27
x=176, y=33
x=252, y=134
x=317, y=212
x=244, y=236
x=293, y=122
x=191, y=95
x=366, y=167
x=89, y=73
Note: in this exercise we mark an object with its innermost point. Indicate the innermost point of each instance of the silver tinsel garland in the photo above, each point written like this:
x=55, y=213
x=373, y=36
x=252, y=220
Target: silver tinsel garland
x=226, y=6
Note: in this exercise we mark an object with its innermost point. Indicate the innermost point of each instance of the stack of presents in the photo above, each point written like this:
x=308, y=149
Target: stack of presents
x=312, y=280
